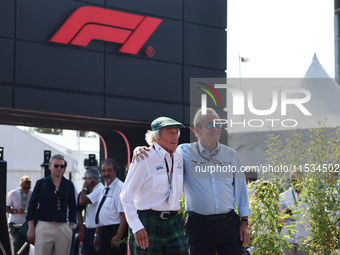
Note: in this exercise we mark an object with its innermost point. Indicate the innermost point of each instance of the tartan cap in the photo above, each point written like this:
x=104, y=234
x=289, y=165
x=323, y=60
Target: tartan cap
x=163, y=122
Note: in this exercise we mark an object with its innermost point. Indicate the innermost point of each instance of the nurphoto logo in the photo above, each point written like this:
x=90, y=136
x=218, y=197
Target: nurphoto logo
x=240, y=101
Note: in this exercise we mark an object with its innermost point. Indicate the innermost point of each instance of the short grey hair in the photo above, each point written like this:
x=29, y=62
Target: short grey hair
x=57, y=156
x=198, y=116
x=94, y=173
x=151, y=136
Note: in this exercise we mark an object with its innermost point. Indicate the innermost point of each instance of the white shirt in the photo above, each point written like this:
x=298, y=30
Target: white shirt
x=147, y=187
x=14, y=200
x=92, y=208
x=300, y=219
x=110, y=212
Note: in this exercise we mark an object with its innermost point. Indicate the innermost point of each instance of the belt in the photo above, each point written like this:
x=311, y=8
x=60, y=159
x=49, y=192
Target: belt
x=91, y=229
x=214, y=217
x=164, y=215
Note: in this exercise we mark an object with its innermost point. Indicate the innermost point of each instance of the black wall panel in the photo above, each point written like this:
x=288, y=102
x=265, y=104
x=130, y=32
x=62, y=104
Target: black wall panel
x=38, y=20
x=167, y=41
x=190, y=42
x=6, y=59
x=59, y=67
x=171, y=9
x=7, y=12
x=100, y=2
x=6, y=93
x=210, y=13
x=141, y=110
x=187, y=118
x=96, y=86
x=143, y=79
x=204, y=46
x=196, y=72
x=58, y=102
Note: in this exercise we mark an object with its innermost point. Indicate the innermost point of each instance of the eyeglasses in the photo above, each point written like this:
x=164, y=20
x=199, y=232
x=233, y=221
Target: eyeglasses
x=57, y=166
x=210, y=125
x=26, y=188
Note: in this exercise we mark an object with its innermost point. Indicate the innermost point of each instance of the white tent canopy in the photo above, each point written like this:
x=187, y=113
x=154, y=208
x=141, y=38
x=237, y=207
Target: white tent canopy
x=24, y=155
x=250, y=143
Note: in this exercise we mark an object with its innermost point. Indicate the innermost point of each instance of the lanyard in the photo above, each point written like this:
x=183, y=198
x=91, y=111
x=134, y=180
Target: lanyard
x=167, y=170
x=58, y=199
x=98, y=184
x=23, y=200
x=295, y=202
x=215, y=161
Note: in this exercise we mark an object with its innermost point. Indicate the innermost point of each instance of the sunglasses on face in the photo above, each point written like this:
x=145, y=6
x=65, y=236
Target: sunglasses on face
x=26, y=188
x=57, y=166
x=210, y=125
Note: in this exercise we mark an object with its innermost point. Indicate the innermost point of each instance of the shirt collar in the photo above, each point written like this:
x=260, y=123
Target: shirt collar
x=63, y=179
x=202, y=149
x=112, y=184
x=161, y=152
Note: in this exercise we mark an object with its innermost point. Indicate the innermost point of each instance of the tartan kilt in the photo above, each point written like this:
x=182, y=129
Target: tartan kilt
x=165, y=236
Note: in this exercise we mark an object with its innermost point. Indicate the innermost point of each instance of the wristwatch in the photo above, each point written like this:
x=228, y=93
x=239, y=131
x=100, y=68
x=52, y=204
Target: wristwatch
x=245, y=220
x=84, y=188
x=96, y=235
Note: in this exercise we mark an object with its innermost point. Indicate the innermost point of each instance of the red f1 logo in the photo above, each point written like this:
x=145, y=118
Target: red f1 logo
x=92, y=23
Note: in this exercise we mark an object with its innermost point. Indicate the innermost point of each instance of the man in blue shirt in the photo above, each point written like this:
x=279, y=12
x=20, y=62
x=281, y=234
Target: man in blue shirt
x=52, y=231
x=213, y=184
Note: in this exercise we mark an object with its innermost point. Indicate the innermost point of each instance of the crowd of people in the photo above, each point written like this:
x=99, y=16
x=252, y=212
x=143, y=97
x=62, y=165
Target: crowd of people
x=140, y=216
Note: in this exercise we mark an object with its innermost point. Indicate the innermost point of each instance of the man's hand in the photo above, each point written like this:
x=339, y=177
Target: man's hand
x=139, y=152
x=83, y=199
x=142, y=239
x=115, y=240
x=288, y=211
x=30, y=235
x=244, y=233
x=71, y=224
x=21, y=211
x=96, y=243
x=87, y=183
x=80, y=228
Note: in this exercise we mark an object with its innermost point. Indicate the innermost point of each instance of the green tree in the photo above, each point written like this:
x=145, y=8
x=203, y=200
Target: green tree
x=266, y=220
x=316, y=158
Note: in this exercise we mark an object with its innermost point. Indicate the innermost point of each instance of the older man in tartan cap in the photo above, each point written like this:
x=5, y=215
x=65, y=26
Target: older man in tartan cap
x=151, y=192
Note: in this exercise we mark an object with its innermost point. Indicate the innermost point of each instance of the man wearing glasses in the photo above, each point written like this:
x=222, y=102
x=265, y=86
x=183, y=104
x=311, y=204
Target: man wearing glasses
x=16, y=206
x=52, y=231
x=211, y=190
